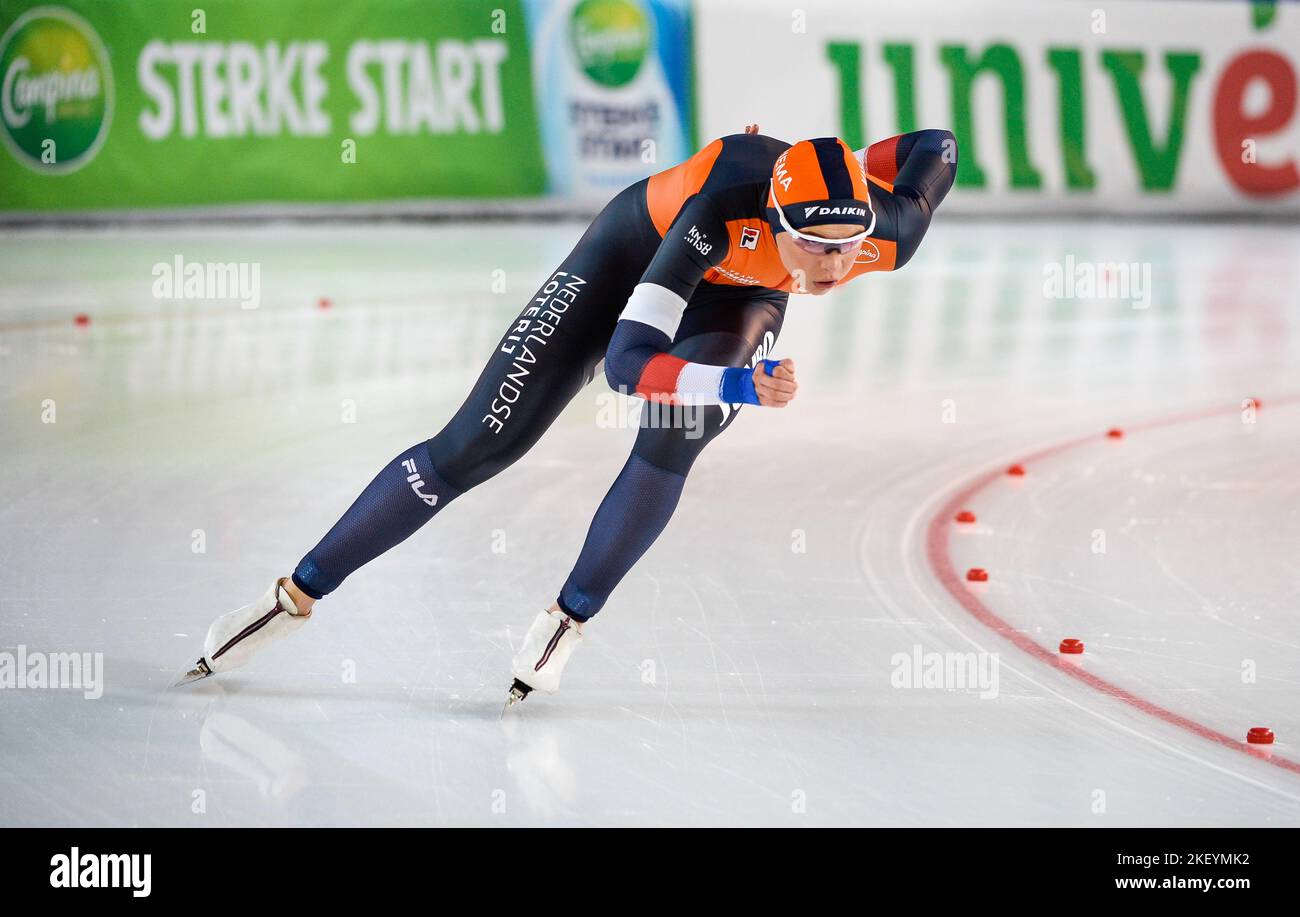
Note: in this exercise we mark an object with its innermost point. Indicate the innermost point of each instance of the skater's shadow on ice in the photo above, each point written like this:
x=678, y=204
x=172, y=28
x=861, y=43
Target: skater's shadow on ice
x=323, y=692
x=275, y=754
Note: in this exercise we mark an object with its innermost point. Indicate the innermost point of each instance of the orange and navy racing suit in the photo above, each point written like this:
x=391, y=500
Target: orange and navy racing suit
x=675, y=282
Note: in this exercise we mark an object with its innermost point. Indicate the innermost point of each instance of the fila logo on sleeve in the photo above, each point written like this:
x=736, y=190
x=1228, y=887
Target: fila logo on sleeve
x=749, y=238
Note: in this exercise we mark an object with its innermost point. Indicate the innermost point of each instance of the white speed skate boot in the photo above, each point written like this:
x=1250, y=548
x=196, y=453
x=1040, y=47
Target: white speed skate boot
x=233, y=638
x=540, y=661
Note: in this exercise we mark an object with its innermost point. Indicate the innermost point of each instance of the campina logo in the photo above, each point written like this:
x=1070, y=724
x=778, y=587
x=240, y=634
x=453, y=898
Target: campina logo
x=610, y=39
x=56, y=90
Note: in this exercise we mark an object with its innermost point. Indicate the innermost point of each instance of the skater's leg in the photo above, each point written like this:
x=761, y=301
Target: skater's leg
x=645, y=493
x=549, y=352
x=635, y=510
x=405, y=495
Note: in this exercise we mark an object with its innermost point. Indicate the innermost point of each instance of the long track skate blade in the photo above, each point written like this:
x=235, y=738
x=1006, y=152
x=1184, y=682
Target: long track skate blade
x=518, y=691
x=197, y=673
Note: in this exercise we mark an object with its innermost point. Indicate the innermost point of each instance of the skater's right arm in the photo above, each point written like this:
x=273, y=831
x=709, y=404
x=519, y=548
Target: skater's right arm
x=638, y=361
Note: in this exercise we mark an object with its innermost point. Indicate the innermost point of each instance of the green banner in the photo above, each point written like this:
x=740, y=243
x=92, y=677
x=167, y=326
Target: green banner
x=158, y=103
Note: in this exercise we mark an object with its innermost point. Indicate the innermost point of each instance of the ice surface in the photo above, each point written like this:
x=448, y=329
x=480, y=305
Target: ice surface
x=746, y=671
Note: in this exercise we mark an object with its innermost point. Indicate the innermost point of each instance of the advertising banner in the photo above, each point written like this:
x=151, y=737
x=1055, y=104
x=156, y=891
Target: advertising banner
x=1135, y=107
x=612, y=79
x=1157, y=107
x=155, y=103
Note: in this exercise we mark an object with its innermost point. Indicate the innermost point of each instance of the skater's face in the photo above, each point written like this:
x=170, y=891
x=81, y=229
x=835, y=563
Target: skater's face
x=818, y=271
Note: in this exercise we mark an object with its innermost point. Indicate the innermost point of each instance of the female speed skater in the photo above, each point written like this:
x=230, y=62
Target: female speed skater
x=680, y=285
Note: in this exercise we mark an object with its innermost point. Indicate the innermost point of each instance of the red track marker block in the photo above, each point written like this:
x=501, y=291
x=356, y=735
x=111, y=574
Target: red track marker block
x=1072, y=646
x=1017, y=470
x=977, y=575
x=81, y=320
x=965, y=516
x=1115, y=433
x=1260, y=735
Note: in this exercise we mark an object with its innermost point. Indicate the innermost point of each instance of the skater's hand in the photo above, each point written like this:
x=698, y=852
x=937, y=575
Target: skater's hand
x=778, y=389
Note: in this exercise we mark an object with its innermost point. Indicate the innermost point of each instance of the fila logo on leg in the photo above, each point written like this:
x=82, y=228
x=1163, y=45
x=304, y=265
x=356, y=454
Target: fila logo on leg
x=417, y=482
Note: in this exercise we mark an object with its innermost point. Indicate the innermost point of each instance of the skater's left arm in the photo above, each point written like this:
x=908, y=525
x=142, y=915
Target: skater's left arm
x=921, y=167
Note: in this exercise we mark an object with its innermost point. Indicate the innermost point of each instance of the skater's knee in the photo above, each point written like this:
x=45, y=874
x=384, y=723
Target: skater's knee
x=453, y=461
x=465, y=459
x=672, y=438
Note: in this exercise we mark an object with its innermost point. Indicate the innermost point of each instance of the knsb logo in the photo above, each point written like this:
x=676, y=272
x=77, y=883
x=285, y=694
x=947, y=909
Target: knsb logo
x=56, y=90
x=610, y=39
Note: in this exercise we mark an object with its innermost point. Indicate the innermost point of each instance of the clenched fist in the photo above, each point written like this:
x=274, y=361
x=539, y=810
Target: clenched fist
x=778, y=389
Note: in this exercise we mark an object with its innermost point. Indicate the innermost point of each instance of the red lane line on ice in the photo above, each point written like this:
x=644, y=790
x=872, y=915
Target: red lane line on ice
x=938, y=537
